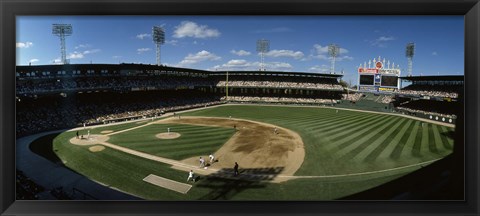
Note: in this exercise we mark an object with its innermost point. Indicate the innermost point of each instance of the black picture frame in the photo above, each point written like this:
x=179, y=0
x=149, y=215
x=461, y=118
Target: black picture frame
x=10, y=8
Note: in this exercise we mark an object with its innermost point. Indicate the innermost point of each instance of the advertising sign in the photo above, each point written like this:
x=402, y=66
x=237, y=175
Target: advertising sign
x=389, y=71
x=366, y=88
x=386, y=89
x=367, y=70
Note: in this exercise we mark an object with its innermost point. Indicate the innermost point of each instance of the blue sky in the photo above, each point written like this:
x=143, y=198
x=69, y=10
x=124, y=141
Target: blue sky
x=297, y=43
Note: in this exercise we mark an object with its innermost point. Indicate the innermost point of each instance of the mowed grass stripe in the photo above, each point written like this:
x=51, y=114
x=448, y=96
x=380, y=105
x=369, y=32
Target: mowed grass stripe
x=349, y=127
x=336, y=118
x=314, y=120
x=150, y=131
x=358, y=145
x=344, y=141
x=424, y=149
x=178, y=146
x=194, y=149
x=418, y=142
x=345, y=138
x=381, y=150
x=339, y=123
x=406, y=142
x=192, y=136
x=173, y=143
x=448, y=142
x=437, y=139
x=430, y=139
x=374, y=142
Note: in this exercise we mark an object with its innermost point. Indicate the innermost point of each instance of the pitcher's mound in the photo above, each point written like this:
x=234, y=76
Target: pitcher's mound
x=96, y=148
x=171, y=135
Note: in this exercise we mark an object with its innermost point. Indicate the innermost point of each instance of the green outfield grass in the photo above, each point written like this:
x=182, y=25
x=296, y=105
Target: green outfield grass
x=340, y=143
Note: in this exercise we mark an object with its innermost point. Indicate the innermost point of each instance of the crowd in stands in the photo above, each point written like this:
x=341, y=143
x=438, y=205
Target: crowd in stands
x=36, y=86
x=115, y=83
x=279, y=100
x=283, y=84
x=450, y=91
x=26, y=189
x=430, y=107
x=352, y=96
x=386, y=99
x=49, y=113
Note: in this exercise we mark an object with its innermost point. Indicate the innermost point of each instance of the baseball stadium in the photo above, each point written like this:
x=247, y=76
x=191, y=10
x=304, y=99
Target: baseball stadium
x=155, y=132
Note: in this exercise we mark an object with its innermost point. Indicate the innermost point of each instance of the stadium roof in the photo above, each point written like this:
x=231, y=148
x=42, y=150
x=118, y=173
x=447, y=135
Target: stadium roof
x=123, y=66
x=435, y=78
x=131, y=66
x=277, y=73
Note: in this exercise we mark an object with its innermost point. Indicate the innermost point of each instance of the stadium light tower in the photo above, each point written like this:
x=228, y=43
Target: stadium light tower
x=333, y=51
x=410, y=51
x=159, y=39
x=263, y=46
x=62, y=30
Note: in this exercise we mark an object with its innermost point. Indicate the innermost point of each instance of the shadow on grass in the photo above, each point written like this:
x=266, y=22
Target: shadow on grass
x=433, y=182
x=449, y=134
x=224, y=185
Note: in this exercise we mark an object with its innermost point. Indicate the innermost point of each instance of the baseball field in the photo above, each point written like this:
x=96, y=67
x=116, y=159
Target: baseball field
x=283, y=152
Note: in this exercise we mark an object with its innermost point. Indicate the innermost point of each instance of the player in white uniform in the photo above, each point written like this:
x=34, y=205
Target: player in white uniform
x=202, y=162
x=212, y=158
x=191, y=176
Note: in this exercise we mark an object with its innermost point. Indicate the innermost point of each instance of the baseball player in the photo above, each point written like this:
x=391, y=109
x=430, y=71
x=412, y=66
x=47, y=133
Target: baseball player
x=191, y=176
x=235, y=169
x=202, y=162
x=275, y=130
x=212, y=158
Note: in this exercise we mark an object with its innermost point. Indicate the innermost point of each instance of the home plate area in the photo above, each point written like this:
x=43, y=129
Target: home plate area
x=168, y=184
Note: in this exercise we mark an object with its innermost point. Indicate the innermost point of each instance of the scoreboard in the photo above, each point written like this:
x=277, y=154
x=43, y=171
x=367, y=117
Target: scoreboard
x=379, y=76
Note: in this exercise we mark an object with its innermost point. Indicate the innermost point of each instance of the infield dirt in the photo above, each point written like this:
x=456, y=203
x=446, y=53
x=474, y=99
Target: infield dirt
x=254, y=145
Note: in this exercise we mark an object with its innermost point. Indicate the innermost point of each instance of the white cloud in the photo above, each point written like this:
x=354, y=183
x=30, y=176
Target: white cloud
x=285, y=53
x=33, y=60
x=198, y=57
x=240, y=64
x=116, y=57
x=86, y=52
x=24, y=44
x=321, y=52
x=240, y=52
x=434, y=53
x=142, y=50
x=191, y=29
x=320, y=68
x=142, y=36
x=57, y=61
x=75, y=55
x=382, y=41
x=278, y=66
x=237, y=64
x=171, y=42
x=82, y=46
